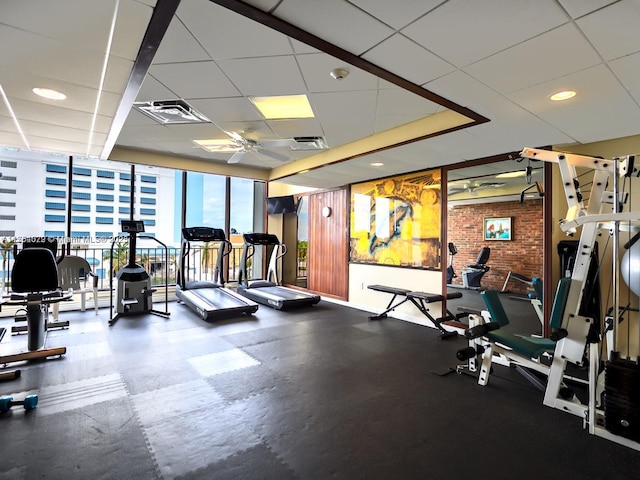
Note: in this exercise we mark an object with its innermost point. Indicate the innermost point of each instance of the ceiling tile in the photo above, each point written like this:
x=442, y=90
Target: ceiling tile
x=338, y=131
x=613, y=31
x=225, y=34
x=179, y=45
x=194, y=80
x=601, y=110
x=350, y=106
x=452, y=31
x=233, y=109
x=627, y=69
x=525, y=131
x=152, y=90
x=392, y=101
x=334, y=21
x=415, y=64
x=466, y=90
x=304, y=127
x=578, y=8
x=397, y=14
x=316, y=69
x=265, y=76
x=557, y=53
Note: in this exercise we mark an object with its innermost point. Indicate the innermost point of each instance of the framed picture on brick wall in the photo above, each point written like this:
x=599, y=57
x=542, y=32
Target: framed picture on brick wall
x=497, y=228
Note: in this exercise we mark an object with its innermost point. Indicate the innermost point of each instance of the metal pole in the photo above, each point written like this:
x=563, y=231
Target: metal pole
x=614, y=264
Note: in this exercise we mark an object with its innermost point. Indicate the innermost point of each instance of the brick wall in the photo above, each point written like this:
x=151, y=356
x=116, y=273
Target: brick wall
x=522, y=254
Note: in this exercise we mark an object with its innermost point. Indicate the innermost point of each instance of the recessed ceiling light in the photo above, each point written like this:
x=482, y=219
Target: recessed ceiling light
x=564, y=95
x=285, y=106
x=303, y=171
x=377, y=164
x=49, y=93
x=519, y=173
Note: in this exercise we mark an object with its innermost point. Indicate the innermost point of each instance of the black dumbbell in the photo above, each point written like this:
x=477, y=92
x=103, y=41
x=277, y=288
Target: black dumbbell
x=30, y=402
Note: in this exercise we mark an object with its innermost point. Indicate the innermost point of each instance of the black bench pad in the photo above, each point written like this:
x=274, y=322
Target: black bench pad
x=433, y=297
x=394, y=290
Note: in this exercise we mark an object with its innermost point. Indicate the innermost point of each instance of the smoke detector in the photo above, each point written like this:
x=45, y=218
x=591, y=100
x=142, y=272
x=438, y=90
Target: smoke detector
x=339, y=73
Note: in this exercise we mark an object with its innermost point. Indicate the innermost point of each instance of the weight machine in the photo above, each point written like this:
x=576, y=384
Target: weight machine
x=578, y=338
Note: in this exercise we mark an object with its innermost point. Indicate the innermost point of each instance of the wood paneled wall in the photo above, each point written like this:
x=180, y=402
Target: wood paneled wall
x=328, y=256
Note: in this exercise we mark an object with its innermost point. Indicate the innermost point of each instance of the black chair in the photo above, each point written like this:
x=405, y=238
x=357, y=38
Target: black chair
x=473, y=274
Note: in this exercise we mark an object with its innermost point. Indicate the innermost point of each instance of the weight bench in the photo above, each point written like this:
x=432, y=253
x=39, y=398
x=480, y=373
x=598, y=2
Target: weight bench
x=420, y=300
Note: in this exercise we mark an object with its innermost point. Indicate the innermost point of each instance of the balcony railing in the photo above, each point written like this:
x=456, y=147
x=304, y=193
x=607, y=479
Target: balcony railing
x=160, y=265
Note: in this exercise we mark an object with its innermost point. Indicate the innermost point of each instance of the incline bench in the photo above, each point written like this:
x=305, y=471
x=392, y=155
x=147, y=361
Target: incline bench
x=420, y=300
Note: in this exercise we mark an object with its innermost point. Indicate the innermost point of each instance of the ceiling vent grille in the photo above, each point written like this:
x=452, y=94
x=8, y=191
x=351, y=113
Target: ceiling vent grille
x=309, y=143
x=169, y=112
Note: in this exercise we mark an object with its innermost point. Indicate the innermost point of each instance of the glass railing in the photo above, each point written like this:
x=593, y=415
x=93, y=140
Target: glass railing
x=161, y=266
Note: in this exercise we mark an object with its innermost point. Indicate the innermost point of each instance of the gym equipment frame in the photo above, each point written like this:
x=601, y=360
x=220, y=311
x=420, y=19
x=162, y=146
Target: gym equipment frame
x=612, y=406
x=36, y=293
x=420, y=300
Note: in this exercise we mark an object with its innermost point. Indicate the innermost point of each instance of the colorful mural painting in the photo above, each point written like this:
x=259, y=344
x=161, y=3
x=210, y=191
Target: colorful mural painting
x=396, y=221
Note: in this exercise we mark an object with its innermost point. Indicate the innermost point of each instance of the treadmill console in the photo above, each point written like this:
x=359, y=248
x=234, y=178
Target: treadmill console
x=261, y=239
x=203, y=234
x=132, y=226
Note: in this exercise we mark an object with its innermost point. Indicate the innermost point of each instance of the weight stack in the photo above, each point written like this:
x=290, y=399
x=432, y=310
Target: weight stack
x=622, y=398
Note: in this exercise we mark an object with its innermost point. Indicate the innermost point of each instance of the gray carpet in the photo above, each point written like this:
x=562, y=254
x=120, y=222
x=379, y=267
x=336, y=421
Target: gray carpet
x=315, y=393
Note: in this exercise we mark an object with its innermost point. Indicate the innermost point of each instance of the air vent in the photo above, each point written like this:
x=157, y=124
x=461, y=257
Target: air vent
x=309, y=143
x=171, y=111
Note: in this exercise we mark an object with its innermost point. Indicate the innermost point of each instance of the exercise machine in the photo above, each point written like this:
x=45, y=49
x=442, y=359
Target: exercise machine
x=134, y=291
x=577, y=337
x=268, y=291
x=451, y=274
x=472, y=276
x=421, y=300
x=209, y=299
x=34, y=285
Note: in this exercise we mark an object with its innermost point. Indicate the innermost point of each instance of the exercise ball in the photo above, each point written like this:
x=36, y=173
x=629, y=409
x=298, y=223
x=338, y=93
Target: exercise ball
x=630, y=267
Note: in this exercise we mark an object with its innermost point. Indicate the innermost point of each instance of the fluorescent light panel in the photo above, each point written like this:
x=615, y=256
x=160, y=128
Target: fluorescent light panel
x=286, y=106
x=218, y=145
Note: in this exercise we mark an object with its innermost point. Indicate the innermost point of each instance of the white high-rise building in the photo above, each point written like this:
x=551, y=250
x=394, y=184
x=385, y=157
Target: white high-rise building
x=34, y=196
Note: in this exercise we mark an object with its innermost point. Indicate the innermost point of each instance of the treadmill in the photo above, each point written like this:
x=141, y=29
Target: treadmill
x=268, y=291
x=209, y=299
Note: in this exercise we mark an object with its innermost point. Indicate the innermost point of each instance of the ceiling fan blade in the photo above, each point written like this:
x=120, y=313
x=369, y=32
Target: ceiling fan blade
x=236, y=157
x=235, y=135
x=274, y=155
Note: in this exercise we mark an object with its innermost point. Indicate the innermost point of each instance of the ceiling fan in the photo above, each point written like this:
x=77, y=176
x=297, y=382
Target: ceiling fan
x=248, y=146
x=472, y=188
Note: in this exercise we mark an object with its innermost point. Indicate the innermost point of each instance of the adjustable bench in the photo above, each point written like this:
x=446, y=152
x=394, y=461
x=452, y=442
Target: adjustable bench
x=420, y=300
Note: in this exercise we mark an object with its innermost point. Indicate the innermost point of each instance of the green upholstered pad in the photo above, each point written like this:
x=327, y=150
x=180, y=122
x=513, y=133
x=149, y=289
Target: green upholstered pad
x=559, y=302
x=519, y=344
x=492, y=301
x=537, y=287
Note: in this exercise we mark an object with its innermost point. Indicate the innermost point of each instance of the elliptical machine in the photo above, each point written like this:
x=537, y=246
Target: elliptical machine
x=134, y=291
x=451, y=273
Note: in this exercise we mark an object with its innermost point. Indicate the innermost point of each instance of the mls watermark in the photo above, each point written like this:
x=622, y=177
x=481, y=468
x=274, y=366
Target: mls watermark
x=65, y=240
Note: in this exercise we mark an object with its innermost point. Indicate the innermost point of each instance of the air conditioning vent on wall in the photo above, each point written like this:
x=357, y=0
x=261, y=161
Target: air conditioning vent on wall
x=171, y=111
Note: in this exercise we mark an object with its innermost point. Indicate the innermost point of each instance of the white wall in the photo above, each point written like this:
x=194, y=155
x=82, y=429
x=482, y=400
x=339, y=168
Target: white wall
x=360, y=276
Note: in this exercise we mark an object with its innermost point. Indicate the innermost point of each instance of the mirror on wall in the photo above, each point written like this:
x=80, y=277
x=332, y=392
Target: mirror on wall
x=495, y=226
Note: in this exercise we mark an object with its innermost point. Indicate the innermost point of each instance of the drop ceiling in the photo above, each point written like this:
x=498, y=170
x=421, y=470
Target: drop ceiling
x=430, y=83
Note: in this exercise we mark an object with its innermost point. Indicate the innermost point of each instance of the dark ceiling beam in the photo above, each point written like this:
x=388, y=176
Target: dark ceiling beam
x=158, y=24
x=292, y=31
